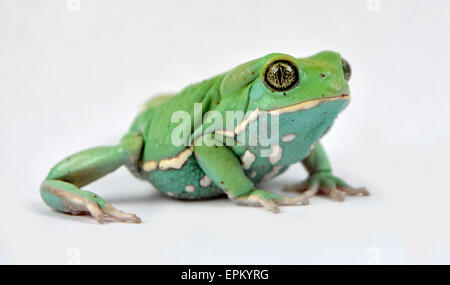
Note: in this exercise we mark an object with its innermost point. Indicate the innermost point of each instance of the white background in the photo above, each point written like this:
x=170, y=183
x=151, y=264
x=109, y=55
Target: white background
x=73, y=78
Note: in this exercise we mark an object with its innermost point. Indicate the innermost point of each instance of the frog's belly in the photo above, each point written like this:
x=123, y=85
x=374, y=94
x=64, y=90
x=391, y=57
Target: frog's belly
x=190, y=182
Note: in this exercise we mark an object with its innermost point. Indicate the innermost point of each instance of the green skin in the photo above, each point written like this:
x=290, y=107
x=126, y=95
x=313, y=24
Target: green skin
x=196, y=171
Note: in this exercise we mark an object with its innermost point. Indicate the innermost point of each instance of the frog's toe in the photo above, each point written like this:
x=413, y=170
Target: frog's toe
x=271, y=206
x=269, y=200
x=258, y=201
x=108, y=210
x=297, y=187
x=307, y=188
x=88, y=206
x=349, y=190
x=333, y=193
x=354, y=191
x=294, y=201
x=95, y=211
x=327, y=184
x=119, y=215
x=77, y=205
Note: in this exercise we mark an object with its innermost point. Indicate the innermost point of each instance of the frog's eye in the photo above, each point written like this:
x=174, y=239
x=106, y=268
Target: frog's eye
x=281, y=75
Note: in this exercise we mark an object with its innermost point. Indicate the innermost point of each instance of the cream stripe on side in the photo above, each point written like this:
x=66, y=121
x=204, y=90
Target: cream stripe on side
x=175, y=162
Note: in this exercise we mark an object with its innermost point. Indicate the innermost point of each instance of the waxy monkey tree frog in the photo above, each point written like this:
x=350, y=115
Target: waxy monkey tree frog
x=190, y=156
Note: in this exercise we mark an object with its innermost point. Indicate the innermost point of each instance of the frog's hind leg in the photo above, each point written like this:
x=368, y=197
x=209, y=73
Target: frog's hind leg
x=61, y=189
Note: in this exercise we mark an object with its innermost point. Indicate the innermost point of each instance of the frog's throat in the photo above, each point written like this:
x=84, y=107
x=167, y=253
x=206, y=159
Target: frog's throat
x=278, y=111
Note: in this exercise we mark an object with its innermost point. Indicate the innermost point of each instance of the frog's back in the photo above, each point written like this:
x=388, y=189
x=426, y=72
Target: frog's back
x=155, y=122
x=170, y=168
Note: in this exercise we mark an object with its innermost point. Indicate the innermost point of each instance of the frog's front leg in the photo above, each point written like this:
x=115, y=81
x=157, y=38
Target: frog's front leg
x=61, y=189
x=321, y=178
x=223, y=167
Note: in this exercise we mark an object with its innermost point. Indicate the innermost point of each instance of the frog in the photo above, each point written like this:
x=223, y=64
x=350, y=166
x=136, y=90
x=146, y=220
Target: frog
x=303, y=96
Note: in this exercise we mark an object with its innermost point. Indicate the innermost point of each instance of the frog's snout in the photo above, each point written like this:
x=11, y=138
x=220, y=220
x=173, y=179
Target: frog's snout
x=346, y=69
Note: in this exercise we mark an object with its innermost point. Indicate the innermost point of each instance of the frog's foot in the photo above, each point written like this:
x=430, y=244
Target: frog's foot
x=67, y=198
x=119, y=215
x=84, y=206
x=326, y=183
x=269, y=200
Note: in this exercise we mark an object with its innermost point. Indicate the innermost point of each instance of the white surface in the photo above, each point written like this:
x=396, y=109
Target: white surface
x=74, y=79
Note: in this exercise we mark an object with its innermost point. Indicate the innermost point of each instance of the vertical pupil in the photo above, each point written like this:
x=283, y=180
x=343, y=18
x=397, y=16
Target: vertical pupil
x=281, y=75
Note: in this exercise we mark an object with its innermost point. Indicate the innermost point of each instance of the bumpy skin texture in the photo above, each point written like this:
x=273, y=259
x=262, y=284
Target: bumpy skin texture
x=311, y=92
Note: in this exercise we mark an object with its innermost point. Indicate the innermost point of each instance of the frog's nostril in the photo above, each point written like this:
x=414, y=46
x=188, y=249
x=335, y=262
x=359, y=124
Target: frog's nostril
x=347, y=69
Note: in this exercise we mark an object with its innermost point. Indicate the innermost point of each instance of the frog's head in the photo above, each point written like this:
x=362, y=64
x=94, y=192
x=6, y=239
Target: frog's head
x=304, y=94
x=280, y=82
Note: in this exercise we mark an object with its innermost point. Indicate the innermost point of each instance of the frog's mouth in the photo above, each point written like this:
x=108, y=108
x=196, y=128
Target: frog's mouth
x=307, y=104
x=288, y=109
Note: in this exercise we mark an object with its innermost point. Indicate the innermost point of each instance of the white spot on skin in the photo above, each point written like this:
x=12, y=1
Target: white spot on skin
x=275, y=154
x=189, y=188
x=247, y=159
x=170, y=194
x=205, y=181
x=253, y=174
x=272, y=173
x=288, y=137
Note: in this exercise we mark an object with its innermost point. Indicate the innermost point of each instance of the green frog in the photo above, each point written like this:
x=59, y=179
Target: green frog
x=181, y=144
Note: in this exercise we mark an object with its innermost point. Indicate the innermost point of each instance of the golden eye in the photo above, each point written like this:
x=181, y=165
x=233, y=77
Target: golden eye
x=281, y=75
